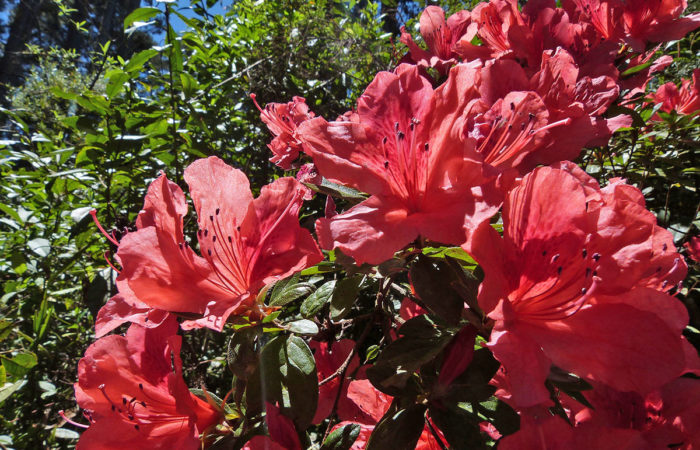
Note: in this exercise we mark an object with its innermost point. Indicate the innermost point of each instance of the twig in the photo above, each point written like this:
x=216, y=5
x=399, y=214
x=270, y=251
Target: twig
x=378, y=307
x=434, y=433
x=234, y=76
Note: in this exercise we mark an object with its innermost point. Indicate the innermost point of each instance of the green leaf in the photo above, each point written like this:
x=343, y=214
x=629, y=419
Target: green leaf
x=65, y=433
x=140, y=15
x=344, y=296
x=40, y=246
x=290, y=292
x=60, y=93
x=636, y=69
x=189, y=84
x=5, y=329
x=460, y=427
x=19, y=365
x=116, y=79
x=9, y=388
x=315, y=302
x=432, y=280
x=422, y=341
x=473, y=384
x=399, y=430
x=286, y=375
x=12, y=212
x=303, y=327
x=137, y=61
x=243, y=352
x=342, y=438
x=336, y=190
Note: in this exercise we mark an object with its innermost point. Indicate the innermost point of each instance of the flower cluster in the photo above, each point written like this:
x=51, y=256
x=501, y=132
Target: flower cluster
x=467, y=144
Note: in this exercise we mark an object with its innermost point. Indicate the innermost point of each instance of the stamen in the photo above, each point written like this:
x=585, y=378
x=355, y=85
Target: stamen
x=75, y=424
x=106, y=255
x=93, y=213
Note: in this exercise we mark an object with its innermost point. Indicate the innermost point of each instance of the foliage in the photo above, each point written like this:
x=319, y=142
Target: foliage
x=77, y=140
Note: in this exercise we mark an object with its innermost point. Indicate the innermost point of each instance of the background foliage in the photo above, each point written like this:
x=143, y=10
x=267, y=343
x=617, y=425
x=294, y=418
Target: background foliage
x=92, y=113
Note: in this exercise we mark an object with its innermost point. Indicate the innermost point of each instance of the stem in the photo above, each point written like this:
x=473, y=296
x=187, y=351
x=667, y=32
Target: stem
x=173, y=126
x=434, y=433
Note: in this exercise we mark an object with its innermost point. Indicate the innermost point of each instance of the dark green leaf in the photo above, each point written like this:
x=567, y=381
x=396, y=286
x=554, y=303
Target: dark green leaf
x=243, y=351
x=290, y=292
x=344, y=296
x=303, y=327
x=140, y=15
x=315, y=302
x=460, y=427
x=432, y=280
x=398, y=430
x=342, y=438
x=422, y=340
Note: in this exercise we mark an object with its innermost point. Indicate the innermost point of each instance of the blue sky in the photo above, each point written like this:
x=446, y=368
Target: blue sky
x=219, y=8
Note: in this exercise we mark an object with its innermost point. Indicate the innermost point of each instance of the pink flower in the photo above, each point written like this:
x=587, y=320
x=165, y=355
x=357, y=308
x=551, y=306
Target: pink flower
x=693, y=248
x=282, y=119
x=401, y=148
x=684, y=100
x=246, y=243
x=665, y=418
x=133, y=396
x=577, y=281
x=440, y=37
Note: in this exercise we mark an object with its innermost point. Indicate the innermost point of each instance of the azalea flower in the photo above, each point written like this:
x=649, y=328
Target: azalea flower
x=132, y=390
x=605, y=16
x=656, y=21
x=693, y=248
x=440, y=36
x=282, y=119
x=523, y=36
x=329, y=358
x=666, y=418
x=520, y=122
x=684, y=100
x=578, y=281
x=402, y=148
x=246, y=243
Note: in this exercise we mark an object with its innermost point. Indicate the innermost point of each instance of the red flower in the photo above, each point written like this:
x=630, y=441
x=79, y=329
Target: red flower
x=693, y=248
x=576, y=282
x=282, y=119
x=520, y=123
x=523, y=36
x=401, y=148
x=329, y=358
x=246, y=243
x=494, y=19
x=666, y=418
x=133, y=396
x=126, y=308
x=605, y=16
x=440, y=37
x=656, y=21
x=684, y=100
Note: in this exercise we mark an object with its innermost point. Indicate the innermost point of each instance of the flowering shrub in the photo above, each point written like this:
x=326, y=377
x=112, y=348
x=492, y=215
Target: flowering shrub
x=475, y=287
